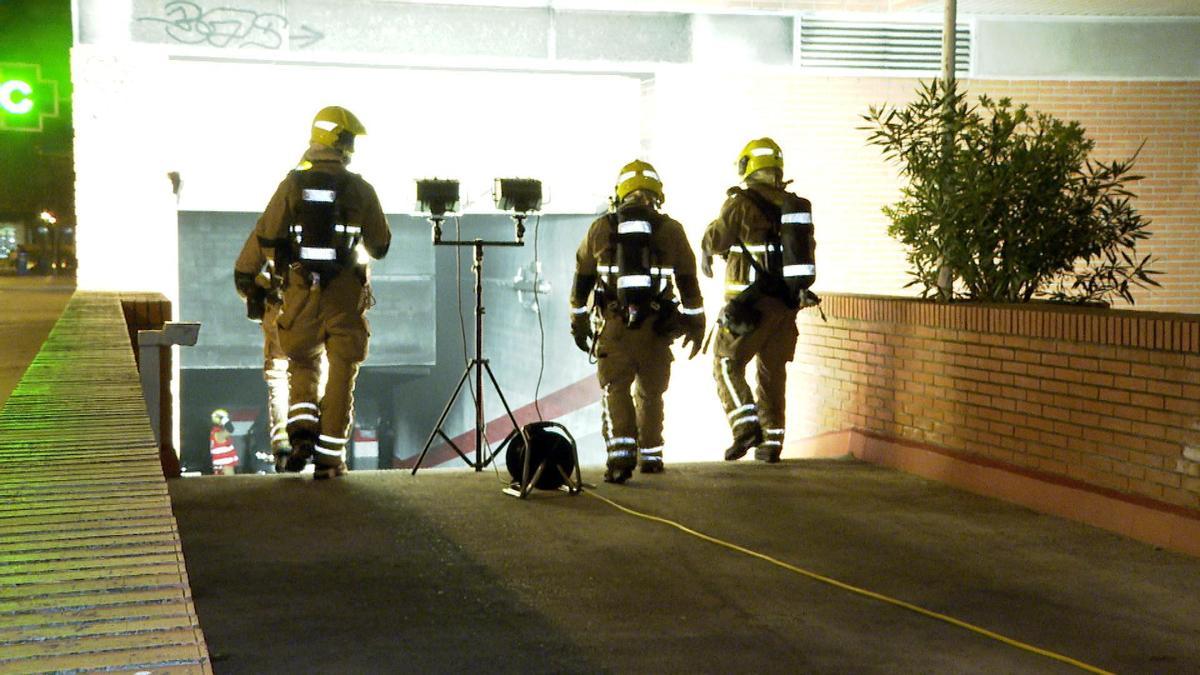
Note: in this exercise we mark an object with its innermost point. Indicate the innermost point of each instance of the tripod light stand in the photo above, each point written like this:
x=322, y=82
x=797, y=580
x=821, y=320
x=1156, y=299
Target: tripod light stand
x=518, y=196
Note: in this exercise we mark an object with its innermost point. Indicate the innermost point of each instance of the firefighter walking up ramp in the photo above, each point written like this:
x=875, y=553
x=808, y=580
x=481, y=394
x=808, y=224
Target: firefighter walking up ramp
x=91, y=570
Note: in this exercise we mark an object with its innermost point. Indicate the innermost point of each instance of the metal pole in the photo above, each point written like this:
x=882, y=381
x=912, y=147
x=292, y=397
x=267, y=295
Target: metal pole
x=949, y=33
x=479, y=310
x=945, y=279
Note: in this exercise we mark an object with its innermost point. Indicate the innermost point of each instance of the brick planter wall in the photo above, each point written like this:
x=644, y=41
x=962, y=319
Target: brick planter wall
x=1104, y=400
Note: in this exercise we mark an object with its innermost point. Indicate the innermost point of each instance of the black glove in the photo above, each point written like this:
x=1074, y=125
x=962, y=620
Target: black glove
x=581, y=330
x=693, y=332
x=256, y=304
x=706, y=264
x=244, y=283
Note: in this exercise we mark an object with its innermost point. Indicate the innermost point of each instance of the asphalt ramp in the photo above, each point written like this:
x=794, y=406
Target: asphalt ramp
x=814, y=566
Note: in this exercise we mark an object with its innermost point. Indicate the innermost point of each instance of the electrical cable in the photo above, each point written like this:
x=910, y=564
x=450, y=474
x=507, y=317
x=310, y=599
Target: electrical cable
x=537, y=309
x=857, y=590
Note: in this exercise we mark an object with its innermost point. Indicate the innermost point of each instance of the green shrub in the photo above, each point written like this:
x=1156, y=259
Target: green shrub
x=1008, y=201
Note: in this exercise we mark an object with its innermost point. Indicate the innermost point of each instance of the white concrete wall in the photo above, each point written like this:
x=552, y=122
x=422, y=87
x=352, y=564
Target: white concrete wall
x=233, y=129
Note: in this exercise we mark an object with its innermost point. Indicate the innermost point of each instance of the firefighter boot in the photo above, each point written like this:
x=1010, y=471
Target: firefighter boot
x=750, y=436
x=614, y=474
x=650, y=461
x=324, y=472
x=302, y=449
x=281, y=453
x=767, y=453
x=622, y=460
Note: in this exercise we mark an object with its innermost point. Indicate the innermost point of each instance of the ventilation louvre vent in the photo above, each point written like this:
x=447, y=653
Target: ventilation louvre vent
x=879, y=45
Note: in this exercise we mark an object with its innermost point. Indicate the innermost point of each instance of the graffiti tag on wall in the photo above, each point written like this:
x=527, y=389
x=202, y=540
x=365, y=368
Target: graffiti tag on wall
x=189, y=23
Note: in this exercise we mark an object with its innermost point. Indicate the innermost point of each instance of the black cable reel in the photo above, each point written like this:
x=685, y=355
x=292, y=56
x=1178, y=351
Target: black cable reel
x=541, y=455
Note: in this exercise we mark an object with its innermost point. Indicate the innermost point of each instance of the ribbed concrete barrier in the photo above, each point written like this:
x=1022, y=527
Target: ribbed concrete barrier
x=91, y=569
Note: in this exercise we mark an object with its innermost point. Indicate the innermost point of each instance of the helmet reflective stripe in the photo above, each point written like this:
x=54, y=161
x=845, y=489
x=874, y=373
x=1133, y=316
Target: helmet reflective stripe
x=801, y=217
x=799, y=270
x=331, y=122
x=761, y=153
x=648, y=173
x=633, y=227
x=638, y=175
x=634, y=281
x=324, y=196
x=317, y=253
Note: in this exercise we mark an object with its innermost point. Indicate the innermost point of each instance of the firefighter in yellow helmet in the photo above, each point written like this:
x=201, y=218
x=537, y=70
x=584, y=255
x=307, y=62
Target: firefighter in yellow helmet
x=629, y=266
x=319, y=217
x=765, y=234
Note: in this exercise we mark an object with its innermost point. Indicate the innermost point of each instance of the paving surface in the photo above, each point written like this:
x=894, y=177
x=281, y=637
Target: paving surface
x=91, y=572
x=29, y=306
x=440, y=572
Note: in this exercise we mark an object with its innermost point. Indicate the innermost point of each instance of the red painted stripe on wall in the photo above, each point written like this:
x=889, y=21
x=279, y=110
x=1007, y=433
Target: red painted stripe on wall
x=554, y=405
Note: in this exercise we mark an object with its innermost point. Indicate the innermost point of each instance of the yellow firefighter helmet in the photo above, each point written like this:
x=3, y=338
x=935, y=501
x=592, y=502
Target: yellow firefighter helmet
x=333, y=121
x=639, y=175
x=220, y=417
x=760, y=153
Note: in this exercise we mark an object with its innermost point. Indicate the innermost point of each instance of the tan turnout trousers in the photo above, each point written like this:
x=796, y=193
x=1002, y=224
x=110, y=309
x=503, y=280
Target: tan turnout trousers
x=275, y=373
x=634, y=369
x=773, y=343
x=329, y=321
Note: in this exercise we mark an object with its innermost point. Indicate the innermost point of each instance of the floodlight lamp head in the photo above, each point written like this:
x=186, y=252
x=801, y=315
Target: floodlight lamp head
x=436, y=196
x=518, y=194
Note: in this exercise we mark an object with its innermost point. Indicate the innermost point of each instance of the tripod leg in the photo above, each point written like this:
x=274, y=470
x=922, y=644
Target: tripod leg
x=537, y=475
x=437, y=429
x=454, y=446
x=513, y=418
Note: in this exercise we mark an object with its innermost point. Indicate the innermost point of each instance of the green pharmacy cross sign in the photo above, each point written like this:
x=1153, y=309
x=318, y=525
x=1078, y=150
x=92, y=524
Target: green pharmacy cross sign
x=25, y=98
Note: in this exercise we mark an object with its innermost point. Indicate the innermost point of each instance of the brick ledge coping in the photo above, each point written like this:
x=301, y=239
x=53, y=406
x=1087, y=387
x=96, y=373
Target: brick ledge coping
x=1158, y=523
x=1052, y=321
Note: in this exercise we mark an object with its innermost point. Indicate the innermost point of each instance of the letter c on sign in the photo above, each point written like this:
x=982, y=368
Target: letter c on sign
x=8, y=97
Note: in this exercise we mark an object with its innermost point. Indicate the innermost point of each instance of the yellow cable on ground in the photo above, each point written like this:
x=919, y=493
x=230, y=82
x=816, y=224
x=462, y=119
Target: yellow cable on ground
x=860, y=591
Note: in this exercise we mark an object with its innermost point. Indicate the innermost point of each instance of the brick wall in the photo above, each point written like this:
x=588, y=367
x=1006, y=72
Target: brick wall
x=1106, y=398
x=701, y=119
